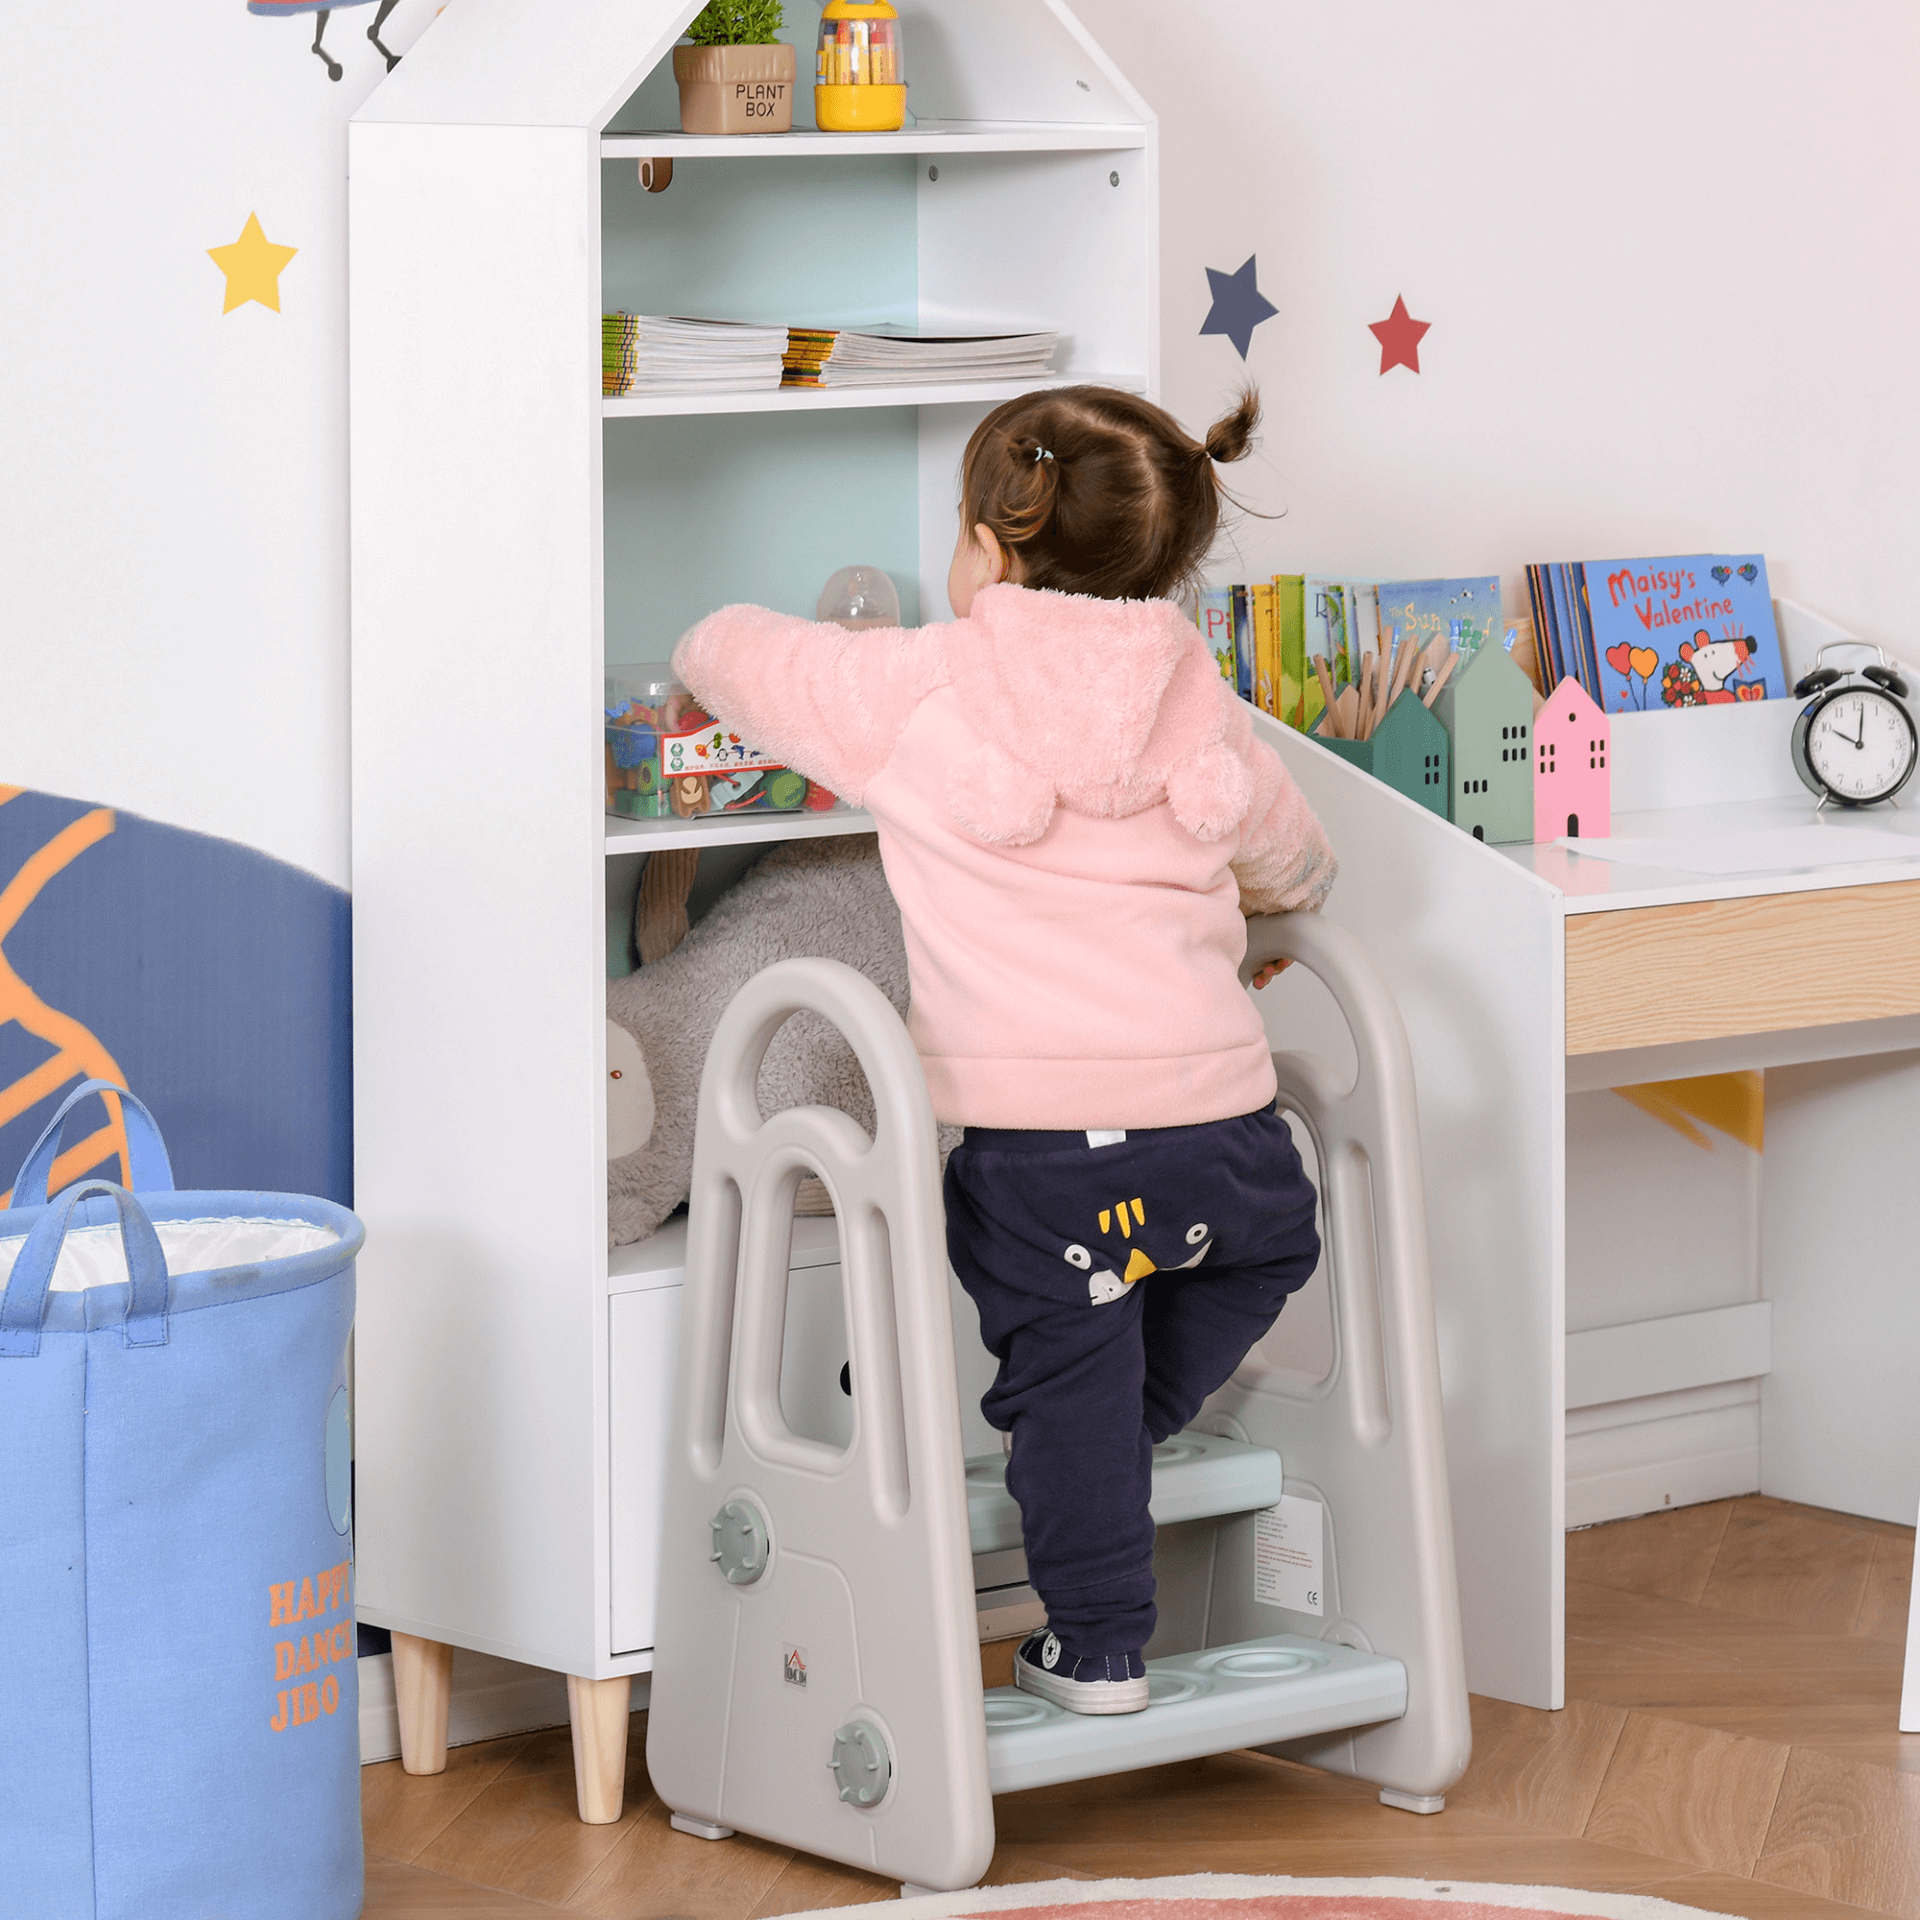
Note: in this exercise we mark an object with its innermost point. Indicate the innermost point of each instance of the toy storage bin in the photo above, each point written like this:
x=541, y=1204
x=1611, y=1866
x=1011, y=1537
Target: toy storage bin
x=179, y=1724
x=668, y=758
x=638, y=702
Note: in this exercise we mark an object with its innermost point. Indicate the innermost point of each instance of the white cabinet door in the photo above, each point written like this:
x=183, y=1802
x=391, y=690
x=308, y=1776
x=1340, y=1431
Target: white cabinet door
x=644, y=1336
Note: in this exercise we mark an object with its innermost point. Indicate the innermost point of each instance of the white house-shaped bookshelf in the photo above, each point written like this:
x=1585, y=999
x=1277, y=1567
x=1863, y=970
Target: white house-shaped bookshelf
x=512, y=532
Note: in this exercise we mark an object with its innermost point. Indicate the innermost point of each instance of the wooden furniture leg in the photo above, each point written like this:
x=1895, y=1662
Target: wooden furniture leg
x=598, y=1709
x=423, y=1690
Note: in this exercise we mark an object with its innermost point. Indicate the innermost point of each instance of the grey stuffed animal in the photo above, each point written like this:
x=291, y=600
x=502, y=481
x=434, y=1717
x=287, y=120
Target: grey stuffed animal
x=824, y=897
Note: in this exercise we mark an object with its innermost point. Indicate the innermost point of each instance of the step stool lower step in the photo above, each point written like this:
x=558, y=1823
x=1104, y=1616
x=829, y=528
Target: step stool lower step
x=1249, y=1695
x=1195, y=1476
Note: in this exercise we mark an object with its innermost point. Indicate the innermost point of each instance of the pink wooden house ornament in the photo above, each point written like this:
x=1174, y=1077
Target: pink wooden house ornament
x=1573, y=741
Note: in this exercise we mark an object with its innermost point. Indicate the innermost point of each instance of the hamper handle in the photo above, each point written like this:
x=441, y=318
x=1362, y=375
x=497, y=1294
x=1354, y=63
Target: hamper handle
x=24, y=1303
x=150, y=1168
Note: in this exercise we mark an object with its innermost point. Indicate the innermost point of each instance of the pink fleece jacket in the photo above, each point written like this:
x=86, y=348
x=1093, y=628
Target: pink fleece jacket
x=1074, y=816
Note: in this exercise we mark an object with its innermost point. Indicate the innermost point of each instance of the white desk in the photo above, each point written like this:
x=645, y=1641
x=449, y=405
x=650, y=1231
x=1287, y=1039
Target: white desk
x=1526, y=973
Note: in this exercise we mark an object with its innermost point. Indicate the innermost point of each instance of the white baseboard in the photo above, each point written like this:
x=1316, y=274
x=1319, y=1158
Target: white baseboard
x=491, y=1698
x=1606, y=1365
x=1667, y=1450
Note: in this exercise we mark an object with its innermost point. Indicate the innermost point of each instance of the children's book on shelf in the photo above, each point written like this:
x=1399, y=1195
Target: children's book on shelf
x=1649, y=635
x=1370, y=673
x=1215, y=618
x=892, y=357
x=1465, y=612
x=1325, y=616
x=1269, y=677
x=661, y=353
x=1298, y=689
x=657, y=353
x=1243, y=642
x=1363, y=616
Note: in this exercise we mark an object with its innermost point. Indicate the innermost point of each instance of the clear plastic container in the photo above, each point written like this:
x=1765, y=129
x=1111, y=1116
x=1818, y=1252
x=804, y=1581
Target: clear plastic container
x=860, y=76
x=858, y=597
x=667, y=757
x=641, y=703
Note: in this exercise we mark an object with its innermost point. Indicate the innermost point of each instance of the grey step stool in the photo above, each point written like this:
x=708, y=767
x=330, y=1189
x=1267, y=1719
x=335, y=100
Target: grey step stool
x=817, y=1677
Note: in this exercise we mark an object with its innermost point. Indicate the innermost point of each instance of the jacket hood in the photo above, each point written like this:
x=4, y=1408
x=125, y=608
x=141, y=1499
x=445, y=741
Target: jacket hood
x=1105, y=707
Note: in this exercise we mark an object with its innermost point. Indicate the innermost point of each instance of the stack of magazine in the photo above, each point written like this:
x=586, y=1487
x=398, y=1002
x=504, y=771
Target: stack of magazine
x=652, y=353
x=887, y=357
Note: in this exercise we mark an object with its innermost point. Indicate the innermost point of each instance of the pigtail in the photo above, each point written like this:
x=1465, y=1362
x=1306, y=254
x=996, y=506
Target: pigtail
x=1100, y=492
x=1030, y=490
x=1231, y=436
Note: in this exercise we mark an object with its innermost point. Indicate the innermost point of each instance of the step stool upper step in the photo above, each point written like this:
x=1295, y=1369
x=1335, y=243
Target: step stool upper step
x=1195, y=1476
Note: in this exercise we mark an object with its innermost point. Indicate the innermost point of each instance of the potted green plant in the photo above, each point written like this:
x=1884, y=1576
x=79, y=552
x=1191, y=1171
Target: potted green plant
x=735, y=77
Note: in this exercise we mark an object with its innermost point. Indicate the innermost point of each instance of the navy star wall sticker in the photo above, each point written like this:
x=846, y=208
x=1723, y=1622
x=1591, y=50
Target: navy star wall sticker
x=1238, y=306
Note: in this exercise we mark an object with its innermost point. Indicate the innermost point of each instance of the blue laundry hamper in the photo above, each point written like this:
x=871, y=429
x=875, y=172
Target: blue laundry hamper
x=179, y=1712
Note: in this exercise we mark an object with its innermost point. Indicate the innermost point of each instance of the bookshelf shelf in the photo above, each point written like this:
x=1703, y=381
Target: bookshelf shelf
x=930, y=136
x=513, y=531
x=732, y=830
x=792, y=400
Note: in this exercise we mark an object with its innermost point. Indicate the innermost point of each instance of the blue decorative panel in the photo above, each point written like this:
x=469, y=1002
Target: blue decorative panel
x=212, y=980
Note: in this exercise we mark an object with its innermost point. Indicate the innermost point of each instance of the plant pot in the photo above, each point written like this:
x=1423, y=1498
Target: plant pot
x=735, y=89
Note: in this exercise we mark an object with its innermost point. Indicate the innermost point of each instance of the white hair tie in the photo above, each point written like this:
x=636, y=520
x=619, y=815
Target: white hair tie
x=1042, y=453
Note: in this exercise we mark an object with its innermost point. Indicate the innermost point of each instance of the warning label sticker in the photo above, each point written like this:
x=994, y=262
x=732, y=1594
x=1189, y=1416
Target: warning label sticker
x=1288, y=1555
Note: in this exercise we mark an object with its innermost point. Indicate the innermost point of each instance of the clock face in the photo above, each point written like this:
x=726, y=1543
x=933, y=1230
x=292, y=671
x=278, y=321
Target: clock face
x=1861, y=744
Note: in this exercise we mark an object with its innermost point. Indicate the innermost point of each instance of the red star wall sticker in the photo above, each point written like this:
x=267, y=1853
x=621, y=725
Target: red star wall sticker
x=1399, y=336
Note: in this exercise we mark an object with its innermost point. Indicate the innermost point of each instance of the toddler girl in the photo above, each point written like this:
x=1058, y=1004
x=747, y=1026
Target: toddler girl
x=1074, y=816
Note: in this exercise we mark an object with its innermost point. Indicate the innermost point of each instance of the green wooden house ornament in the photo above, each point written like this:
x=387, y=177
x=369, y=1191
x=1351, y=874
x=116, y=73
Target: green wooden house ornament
x=1408, y=750
x=1487, y=710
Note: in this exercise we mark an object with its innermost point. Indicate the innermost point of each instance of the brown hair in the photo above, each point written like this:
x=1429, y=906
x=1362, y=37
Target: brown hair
x=1096, y=491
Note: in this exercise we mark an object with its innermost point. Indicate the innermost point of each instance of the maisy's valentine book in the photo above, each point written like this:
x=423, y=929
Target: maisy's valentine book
x=1691, y=631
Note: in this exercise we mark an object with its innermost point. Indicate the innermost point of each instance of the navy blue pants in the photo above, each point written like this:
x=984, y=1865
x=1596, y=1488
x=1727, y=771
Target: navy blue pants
x=1118, y=1286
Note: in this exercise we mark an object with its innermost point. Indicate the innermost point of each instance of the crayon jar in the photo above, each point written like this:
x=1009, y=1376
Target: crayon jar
x=859, y=76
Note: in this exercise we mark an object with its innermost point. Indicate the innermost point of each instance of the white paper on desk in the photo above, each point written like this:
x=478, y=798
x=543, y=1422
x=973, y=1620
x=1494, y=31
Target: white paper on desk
x=1764, y=850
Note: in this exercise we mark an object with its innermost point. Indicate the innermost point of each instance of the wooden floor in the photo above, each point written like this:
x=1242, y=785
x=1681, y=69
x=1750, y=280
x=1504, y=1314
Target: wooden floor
x=1733, y=1676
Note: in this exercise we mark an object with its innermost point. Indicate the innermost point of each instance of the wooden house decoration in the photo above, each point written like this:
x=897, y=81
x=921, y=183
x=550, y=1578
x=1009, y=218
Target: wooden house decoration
x=1572, y=742
x=1487, y=710
x=1408, y=750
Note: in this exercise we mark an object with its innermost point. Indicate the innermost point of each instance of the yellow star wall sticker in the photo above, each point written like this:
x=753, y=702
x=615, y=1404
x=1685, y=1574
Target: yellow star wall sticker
x=252, y=265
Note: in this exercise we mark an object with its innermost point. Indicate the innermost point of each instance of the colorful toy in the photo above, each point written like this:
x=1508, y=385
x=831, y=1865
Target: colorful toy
x=1572, y=741
x=666, y=757
x=1486, y=706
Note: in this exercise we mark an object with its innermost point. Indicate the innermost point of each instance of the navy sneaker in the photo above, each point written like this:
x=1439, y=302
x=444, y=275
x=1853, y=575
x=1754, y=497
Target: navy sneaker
x=1102, y=1683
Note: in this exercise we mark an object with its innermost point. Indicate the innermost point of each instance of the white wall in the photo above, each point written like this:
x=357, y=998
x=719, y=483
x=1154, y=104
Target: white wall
x=173, y=567
x=1667, y=253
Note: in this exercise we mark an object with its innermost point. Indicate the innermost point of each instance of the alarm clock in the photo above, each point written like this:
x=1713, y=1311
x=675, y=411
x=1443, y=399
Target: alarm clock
x=1854, y=743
